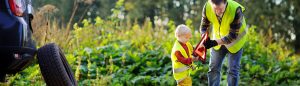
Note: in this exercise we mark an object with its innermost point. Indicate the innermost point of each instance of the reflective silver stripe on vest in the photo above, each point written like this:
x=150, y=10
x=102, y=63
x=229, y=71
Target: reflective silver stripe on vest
x=238, y=38
x=180, y=80
x=178, y=70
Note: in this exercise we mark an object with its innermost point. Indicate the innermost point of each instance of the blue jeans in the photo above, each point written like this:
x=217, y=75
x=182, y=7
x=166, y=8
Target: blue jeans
x=215, y=65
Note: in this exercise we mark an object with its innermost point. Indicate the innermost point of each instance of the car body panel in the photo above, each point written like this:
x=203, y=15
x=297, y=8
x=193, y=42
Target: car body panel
x=17, y=49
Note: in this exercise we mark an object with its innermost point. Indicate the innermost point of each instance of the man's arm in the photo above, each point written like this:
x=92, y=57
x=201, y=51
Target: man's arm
x=205, y=23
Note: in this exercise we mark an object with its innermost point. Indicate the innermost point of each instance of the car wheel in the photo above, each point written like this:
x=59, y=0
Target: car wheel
x=54, y=66
x=2, y=77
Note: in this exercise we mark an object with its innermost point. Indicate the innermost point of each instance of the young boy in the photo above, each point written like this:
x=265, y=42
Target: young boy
x=181, y=56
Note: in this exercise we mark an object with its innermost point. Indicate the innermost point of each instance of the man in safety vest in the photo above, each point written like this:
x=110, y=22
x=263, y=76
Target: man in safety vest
x=181, y=56
x=228, y=37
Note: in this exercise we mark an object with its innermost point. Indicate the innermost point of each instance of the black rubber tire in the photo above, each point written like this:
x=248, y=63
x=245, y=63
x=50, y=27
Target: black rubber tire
x=54, y=66
x=2, y=77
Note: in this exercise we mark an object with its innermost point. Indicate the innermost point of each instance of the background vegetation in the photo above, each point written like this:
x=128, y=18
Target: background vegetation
x=109, y=42
x=281, y=16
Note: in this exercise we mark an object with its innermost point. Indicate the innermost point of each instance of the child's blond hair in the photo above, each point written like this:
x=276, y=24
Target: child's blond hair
x=182, y=30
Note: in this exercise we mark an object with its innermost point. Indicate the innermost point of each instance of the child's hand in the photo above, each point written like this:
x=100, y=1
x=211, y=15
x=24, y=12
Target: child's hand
x=195, y=58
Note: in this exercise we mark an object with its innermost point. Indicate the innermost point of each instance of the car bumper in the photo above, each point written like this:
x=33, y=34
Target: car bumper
x=15, y=59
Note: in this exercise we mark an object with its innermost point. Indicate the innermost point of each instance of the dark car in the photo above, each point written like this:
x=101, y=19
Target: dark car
x=18, y=49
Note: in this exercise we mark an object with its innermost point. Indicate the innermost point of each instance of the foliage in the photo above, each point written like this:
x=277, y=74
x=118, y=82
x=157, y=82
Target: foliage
x=122, y=53
x=279, y=15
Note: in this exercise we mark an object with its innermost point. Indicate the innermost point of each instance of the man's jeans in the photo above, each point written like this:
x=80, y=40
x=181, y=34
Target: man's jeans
x=215, y=65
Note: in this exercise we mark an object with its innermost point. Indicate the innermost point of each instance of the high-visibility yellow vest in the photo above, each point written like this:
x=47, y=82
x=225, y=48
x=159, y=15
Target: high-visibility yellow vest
x=221, y=30
x=180, y=71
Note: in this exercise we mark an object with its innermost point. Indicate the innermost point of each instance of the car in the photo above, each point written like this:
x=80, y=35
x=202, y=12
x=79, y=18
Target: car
x=18, y=49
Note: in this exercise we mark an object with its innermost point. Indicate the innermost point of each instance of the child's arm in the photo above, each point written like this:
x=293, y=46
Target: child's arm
x=180, y=58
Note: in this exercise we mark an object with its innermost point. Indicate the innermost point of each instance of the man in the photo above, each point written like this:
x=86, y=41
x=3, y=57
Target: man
x=228, y=37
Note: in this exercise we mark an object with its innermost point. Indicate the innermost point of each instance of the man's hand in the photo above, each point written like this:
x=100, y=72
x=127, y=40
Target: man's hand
x=210, y=43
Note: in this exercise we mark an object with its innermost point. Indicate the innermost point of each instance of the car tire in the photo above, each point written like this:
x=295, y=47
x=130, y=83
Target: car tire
x=2, y=77
x=54, y=66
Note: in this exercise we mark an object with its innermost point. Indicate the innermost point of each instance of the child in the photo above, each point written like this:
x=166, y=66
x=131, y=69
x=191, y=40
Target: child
x=181, y=56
